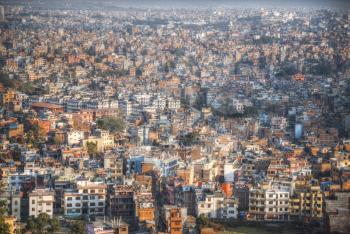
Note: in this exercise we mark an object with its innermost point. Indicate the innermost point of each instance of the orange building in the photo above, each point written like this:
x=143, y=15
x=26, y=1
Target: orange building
x=145, y=214
x=175, y=221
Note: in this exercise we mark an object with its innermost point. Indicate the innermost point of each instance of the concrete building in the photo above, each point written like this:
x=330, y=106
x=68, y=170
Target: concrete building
x=88, y=199
x=41, y=201
x=338, y=213
x=121, y=203
x=306, y=204
x=268, y=204
x=174, y=218
x=113, y=164
x=216, y=206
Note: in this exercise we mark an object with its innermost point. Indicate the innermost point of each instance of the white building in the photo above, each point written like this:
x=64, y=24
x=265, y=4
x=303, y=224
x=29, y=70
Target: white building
x=271, y=204
x=41, y=201
x=88, y=199
x=75, y=137
x=215, y=206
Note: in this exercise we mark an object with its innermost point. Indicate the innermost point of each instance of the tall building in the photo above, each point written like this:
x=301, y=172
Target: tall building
x=41, y=201
x=113, y=164
x=13, y=200
x=121, y=204
x=268, y=204
x=306, y=203
x=174, y=218
x=88, y=199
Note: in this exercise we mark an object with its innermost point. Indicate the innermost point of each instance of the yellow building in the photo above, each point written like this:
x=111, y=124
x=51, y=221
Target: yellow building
x=11, y=221
x=306, y=204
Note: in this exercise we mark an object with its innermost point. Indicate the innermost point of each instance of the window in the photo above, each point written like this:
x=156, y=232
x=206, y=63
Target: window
x=92, y=191
x=15, y=210
x=77, y=198
x=92, y=197
x=16, y=202
x=100, y=203
x=85, y=191
x=270, y=209
x=271, y=195
x=85, y=197
x=69, y=198
x=100, y=190
x=33, y=209
x=77, y=205
x=92, y=203
x=69, y=205
x=33, y=201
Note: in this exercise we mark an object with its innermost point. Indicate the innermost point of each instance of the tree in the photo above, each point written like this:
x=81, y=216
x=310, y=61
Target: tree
x=54, y=225
x=4, y=227
x=91, y=148
x=6, y=81
x=202, y=221
x=189, y=139
x=77, y=227
x=35, y=135
x=112, y=124
x=43, y=224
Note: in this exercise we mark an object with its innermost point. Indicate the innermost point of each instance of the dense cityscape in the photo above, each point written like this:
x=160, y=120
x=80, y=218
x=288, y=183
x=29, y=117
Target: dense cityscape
x=173, y=120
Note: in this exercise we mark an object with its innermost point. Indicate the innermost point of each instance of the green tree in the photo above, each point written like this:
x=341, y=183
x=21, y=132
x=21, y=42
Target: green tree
x=112, y=124
x=92, y=148
x=202, y=221
x=4, y=227
x=6, y=81
x=43, y=224
x=54, y=225
x=77, y=227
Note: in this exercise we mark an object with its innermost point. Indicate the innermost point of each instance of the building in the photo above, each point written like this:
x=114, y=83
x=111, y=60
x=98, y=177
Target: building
x=113, y=164
x=216, y=206
x=75, y=137
x=87, y=199
x=306, y=204
x=174, y=218
x=121, y=204
x=13, y=199
x=337, y=213
x=145, y=207
x=41, y=201
x=268, y=204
